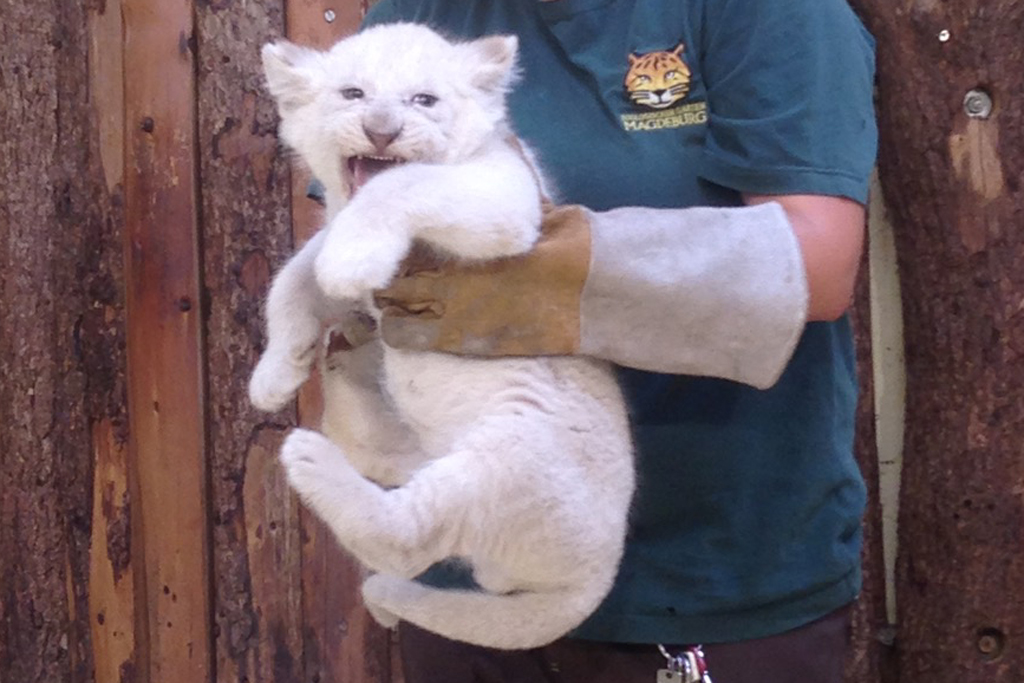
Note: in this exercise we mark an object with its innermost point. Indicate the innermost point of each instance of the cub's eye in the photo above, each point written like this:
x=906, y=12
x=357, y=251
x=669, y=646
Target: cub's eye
x=352, y=93
x=424, y=99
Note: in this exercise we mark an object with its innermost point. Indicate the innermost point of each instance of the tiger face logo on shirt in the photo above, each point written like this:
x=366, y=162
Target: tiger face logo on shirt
x=657, y=80
x=657, y=84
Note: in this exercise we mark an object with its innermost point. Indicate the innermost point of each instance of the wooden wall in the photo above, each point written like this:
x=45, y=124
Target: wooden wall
x=64, y=534
x=146, y=534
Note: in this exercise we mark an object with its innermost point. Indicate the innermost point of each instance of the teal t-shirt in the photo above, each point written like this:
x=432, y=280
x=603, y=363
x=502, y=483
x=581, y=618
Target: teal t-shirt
x=746, y=521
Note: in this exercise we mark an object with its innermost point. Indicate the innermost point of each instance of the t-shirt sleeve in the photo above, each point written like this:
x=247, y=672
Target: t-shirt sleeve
x=383, y=12
x=789, y=89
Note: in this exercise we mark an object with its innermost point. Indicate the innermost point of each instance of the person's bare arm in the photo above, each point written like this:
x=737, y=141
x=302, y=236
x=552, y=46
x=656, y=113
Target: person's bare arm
x=830, y=231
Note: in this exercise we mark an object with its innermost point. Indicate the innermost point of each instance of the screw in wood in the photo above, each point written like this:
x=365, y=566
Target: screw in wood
x=944, y=35
x=978, y=104
x=148, y=124
x=330, y=16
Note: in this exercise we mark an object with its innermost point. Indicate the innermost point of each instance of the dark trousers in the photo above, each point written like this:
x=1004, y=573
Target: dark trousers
x=811, y=654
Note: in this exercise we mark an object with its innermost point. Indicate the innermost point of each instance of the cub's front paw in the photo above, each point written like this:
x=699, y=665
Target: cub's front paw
x=353, y=263
x=275, y=380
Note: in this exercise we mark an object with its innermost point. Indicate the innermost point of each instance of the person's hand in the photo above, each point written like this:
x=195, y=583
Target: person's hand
x=526, y=305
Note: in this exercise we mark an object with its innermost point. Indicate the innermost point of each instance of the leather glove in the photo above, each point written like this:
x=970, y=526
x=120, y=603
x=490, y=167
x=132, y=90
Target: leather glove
x=703, y=291
x=527, y=305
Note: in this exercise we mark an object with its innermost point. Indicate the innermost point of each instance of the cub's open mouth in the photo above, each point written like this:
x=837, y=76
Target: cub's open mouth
x=362, y=168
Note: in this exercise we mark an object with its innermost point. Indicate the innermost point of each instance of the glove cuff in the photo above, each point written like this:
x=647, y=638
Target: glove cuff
x=716, y=292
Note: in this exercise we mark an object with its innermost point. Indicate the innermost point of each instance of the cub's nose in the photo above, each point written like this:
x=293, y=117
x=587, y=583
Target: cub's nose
x=381, y=138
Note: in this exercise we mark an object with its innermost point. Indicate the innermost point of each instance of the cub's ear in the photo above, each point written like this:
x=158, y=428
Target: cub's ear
x=493, y=60
x=288, y=78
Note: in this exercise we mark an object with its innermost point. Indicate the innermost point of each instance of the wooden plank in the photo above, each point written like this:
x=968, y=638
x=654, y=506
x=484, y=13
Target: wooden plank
x=111, y=581
x=112, y=596
x=342, y=642
x=273, y=548
x=953, y=185
x=246, y=235
x=165, y=383
x=61, y=330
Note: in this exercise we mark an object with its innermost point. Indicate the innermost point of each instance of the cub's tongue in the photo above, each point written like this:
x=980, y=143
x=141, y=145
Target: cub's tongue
x=364, y=168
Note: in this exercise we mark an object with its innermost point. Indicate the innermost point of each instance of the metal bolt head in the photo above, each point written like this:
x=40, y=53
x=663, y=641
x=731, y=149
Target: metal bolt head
x=330, y=16
x=943, y=35
x=991, y=643
x=978, y=104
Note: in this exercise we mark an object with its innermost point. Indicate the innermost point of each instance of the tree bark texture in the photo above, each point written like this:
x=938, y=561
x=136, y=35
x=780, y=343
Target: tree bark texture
x=256, y=561
x=286, y=599
x=66, y=582
x=953, y=185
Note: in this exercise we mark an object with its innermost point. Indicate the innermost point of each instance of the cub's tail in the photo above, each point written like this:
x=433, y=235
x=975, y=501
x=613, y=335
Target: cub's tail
x=514, y=621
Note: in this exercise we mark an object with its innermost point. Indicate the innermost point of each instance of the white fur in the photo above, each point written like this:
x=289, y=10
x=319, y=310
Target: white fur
x=523, y=467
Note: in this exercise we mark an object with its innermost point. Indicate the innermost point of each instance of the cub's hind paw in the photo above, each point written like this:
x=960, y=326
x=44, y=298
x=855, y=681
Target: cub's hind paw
x=313, y=465
x=306, y=448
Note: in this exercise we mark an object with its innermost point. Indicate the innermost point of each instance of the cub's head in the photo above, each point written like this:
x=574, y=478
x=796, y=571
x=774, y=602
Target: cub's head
x=658, y=79
x=391, y=94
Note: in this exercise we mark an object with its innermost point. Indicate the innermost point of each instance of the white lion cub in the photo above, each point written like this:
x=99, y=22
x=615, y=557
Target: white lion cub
x=521, y=467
